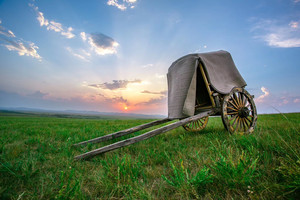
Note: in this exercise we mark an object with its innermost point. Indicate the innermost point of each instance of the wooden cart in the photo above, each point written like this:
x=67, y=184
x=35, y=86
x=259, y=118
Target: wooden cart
x=199, y=86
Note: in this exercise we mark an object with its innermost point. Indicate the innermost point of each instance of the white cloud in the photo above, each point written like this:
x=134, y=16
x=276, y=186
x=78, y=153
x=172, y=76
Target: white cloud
x=41, y=19
x=288, y=100
x=122, y=6
x=148, y=65
x=280, y=101
x=162, y=100
x=102, y=44
x=160, y=76
x=38, y=94
x=294, y=24
x=5, y=32
x=11, y=33
x=116, y=84
x=83, y=36
x=164, y=93
x=52, y=25
x=278, y=34
x=285, y=101
x=84, y=52
x=55, y=26
x=29, y=49
x=116, y=4
x=80, y=57
x=200, y=49
x=83, y=55
x=130, y=1
x=68, y=33
x=277, y=40
x=296, y=100
x=12, y=43
x=99, y=44
x=263, y=96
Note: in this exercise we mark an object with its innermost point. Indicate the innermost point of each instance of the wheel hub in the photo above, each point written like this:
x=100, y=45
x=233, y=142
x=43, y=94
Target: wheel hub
x=243, y=112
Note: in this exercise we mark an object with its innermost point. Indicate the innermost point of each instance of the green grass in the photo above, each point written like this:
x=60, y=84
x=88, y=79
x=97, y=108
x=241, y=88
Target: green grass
x=36, y=161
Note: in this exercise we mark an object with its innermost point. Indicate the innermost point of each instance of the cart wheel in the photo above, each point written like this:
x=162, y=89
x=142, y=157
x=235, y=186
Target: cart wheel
x=196, y=125
x=239, y=112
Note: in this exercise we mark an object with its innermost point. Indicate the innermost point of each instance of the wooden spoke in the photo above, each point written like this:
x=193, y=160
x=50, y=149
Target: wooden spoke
x=246, y=126
x=232, y=118
x=200, y=122
x=197, y=125
x=237, y=125
x=233, y=105
x=235, y=101
x=250, y=121
x=234, y=97
x=232, y=113
x=242, y=124
x=236, y=119
x=245, y=122
x=239, y=112
x=232, y=108
x=244, y=100
x=240, y=100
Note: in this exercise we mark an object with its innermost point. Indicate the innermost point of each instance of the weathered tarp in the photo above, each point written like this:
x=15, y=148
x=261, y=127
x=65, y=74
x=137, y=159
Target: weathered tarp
x=182, y=79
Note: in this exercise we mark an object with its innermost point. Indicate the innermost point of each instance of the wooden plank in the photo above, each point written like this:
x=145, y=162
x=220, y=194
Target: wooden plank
x=144, y=136
x=123, y=132
x=207, y=85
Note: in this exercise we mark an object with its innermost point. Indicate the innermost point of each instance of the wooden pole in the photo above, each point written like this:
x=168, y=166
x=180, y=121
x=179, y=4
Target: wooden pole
x=123, y=132
x=144, y=136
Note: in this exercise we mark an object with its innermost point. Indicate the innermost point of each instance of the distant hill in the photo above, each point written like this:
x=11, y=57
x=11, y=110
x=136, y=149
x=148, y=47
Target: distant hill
x=77, y=113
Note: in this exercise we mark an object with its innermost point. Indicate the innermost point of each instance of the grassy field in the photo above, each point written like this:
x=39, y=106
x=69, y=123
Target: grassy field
x=36, y=157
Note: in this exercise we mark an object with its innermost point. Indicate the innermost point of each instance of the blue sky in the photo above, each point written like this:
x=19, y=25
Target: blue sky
x=113, y=55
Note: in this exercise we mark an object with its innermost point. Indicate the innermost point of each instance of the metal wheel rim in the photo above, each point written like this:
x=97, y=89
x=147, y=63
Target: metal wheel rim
x=197, y=125
x=239, y=113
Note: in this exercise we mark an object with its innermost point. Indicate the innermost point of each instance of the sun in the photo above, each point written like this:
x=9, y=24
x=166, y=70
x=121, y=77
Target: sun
x=125, y=108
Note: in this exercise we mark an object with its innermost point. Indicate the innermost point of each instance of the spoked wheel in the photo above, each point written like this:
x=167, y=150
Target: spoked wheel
x=196, y=125
x=239, y=112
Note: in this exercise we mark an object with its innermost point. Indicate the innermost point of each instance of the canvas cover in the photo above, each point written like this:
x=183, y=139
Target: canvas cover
x=182, y=79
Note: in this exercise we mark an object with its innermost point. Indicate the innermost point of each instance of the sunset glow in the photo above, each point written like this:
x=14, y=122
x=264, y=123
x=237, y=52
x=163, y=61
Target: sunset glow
x=102, y=56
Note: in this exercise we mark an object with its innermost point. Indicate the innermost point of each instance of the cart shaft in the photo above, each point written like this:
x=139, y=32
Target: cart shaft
x=123, y=132
x=144, y=136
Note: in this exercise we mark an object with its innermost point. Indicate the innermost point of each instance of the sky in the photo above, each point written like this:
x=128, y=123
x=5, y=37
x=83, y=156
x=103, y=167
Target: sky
x=113, y=55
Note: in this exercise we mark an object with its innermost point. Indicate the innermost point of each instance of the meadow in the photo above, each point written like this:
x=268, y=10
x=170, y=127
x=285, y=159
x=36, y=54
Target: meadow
x=37, y=160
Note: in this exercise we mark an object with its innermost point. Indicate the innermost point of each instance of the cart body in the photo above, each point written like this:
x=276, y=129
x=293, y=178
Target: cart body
x=193, y=78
